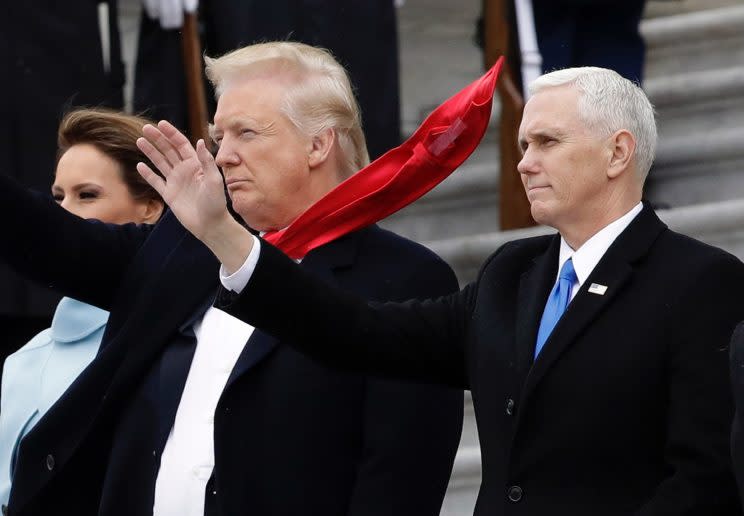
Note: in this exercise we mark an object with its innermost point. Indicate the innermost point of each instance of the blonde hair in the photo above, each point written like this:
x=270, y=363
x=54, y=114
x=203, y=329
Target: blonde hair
x=609, y=102
x=318, y=97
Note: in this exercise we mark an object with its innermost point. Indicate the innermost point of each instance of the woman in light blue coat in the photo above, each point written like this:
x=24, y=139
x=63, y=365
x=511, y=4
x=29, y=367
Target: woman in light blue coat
x=96, y=178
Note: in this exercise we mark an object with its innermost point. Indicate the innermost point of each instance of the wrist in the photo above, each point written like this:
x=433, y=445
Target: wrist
x=230, y=242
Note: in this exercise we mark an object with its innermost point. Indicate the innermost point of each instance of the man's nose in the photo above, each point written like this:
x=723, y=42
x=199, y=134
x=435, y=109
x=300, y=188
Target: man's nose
x=226, y=156
x=527, y=164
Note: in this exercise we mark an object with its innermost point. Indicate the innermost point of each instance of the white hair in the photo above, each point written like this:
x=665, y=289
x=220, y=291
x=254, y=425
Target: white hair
x=318, y=97
x=608, y=102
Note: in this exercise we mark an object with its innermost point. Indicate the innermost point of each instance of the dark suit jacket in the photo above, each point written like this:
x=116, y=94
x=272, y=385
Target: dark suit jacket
x=625, y=411
x=291, y=436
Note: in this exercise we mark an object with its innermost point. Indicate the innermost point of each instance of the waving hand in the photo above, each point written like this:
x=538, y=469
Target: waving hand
x=192, y=186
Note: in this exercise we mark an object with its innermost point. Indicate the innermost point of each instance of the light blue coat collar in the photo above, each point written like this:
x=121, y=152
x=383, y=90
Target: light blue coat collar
x=74, y=320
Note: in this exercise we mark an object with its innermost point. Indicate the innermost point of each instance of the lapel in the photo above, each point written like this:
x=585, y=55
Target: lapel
x=173, y=295
x=323, y=261
x=173, y=369
x=615, y=270
x=534, y=287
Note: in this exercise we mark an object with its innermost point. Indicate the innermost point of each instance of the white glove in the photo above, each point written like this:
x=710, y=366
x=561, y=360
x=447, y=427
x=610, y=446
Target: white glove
x=169, y=12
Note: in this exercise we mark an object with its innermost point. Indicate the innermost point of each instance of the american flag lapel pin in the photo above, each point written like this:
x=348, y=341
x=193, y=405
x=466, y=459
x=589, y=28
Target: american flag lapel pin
x=596, y=288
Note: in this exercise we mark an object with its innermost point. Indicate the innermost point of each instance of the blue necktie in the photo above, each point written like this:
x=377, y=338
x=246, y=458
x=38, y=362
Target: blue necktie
x=557, y=304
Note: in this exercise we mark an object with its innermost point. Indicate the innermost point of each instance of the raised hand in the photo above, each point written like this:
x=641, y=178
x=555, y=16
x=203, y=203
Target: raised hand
x=192, y=186
x=191, y=183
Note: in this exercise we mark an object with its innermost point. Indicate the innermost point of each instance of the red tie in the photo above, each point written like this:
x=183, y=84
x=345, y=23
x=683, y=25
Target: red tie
x=394, y=180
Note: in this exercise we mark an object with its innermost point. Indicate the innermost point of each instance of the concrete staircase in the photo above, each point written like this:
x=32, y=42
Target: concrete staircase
x=694, y=76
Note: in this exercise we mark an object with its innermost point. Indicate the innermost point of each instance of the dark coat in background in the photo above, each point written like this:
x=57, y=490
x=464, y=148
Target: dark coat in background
x=51, y=59
x=591, y=33
x=362, y=35
x=626, y=410
x=292, y=437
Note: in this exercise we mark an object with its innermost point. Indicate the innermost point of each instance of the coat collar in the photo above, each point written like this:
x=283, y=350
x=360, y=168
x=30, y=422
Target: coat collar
x=147, y=313
x=74, y=320
x=614, y=271
x=162, y=303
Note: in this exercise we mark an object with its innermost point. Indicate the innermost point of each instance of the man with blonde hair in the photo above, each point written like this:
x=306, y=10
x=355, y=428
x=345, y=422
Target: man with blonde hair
x=596, y=356
x=189, y=411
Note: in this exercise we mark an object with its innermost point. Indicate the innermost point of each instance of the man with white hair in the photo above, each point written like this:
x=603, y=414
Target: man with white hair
x=596, y=356
x=189, y=411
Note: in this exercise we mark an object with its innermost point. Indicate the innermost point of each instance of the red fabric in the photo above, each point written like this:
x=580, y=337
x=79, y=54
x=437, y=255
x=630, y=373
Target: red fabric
x=443, y=141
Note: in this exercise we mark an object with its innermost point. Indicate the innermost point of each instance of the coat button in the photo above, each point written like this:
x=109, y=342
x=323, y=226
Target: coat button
x=50, y=462
x=515, y=494
x=510, y=407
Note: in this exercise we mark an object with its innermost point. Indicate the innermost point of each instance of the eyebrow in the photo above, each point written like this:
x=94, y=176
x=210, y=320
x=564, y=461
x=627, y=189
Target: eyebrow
x=78, y=186
x=550, y=132
x=233, y=121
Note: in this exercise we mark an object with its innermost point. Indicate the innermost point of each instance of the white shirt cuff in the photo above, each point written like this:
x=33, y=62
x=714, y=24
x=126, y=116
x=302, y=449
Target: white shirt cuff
x=239, y=279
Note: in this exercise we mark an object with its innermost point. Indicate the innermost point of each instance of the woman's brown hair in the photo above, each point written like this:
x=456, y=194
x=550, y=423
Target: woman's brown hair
x=114, y=134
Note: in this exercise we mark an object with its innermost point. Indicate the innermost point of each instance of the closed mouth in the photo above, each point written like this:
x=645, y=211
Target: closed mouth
x=235, y=181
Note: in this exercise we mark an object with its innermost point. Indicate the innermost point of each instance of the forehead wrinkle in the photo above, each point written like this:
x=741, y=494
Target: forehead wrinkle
x=231, y=120
x=553, y=132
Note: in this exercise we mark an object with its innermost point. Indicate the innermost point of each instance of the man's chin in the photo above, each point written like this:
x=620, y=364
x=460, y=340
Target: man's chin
x=246, y=211
x=540, y=213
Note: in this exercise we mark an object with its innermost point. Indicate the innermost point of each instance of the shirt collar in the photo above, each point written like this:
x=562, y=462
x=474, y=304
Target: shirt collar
x=586, y=257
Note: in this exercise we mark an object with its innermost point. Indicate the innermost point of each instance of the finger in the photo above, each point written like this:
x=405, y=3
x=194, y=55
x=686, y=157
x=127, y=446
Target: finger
x=177, y=139
x=154, y=180
x=154, y=155
x=162, y=143
x=205, y=158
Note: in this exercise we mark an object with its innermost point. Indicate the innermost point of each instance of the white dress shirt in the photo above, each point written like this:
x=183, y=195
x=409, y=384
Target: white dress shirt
x=239, y=279
x=188, y=458
x=586, y=257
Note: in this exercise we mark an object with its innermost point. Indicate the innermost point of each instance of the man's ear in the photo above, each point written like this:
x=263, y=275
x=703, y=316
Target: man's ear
x=152, y=210
x=622, y=145
x=321, y=146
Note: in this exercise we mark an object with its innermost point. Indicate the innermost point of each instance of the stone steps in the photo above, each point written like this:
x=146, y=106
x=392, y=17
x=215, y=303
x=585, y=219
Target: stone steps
x=465, y=203
x=466, y=473
x=704, y=40
x=695, y=78
x=719, y=223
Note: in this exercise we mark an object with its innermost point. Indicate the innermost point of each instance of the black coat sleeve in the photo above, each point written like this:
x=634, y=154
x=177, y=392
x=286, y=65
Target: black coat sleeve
x=414, y=340
x=78, y=258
